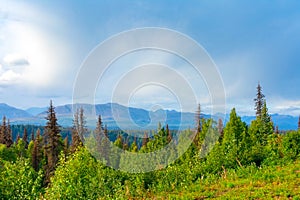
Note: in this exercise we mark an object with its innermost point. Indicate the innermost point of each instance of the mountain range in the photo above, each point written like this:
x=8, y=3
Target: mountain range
x=115, y=115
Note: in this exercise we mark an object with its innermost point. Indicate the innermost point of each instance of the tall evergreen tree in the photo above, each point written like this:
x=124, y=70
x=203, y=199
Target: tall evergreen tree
x=198, y=127
x=198, y=119
x=18, y=138
x=76, y=141
x=259, y=101
x=266, y=120
x=66, y=146
x=37, y=151
x=145, y=139
x=232, y=144
x=134, y=147
x=53, y=143
x=299, y=123
x=220, y=129
x=3, y=131
x=169, y=135
x=276, y=130
x=32, y=136
x=103, y=143
x=9, y=139
x=106, y=131
x=82, y=130
x=25, y=137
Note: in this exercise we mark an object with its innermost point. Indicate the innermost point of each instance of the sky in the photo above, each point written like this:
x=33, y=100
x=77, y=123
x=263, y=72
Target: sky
x=44, y=43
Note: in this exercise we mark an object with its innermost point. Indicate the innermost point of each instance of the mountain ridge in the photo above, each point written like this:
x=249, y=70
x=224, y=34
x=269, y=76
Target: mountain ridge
x=115, y=115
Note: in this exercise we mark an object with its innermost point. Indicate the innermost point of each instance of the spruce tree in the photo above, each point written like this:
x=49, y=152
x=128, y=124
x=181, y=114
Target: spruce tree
x=119, y=142
x=234, y=134
x=76, y=141
x=259, y=101
x=198, y=127
x=220, y=129
x=66, y=146
x=299, y=123
x=102, y=140
x=32, y=136
x=276, y=130
x=18, y=138
x=198, y=119
x=266, y=120
x=9, y=139
x=169, y=135
x=53, y=143
x=126, y=144
x=82, y=130
x=35, y=162
x=37, y=151
x=25, y=137
x=134, y=147
x=145, y=139
x=106, y=131
x=3, y=131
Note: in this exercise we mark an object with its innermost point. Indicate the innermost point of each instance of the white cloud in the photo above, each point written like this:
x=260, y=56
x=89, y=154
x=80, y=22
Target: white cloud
x=9, y=77
x=27, y=40
x=15, y=60
x=284, y=106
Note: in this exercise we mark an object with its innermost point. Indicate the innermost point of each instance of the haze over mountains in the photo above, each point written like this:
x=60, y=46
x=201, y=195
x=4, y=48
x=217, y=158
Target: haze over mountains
x=116, y=115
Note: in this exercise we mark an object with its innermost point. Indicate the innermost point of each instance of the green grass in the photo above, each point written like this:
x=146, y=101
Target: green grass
x=277, y=182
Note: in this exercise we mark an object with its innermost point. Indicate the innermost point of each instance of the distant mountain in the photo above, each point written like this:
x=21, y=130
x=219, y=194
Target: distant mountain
x=36, y=110
x=116, y=115
x=12, y=113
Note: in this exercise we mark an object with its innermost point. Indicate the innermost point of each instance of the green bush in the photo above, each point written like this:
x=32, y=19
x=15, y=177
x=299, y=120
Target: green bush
x=19, y=181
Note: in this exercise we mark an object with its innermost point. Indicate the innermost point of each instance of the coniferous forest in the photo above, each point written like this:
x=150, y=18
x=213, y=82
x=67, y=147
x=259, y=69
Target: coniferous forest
x=227, y=160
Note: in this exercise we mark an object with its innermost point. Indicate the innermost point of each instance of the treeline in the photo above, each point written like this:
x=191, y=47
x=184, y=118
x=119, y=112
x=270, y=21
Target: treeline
x=48, y=166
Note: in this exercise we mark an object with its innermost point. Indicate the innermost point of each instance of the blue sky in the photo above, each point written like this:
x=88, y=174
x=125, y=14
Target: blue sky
x=43, y=43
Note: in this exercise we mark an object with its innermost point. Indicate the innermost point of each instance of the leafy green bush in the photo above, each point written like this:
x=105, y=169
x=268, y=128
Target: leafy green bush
x=19, y=181
x=291, y=145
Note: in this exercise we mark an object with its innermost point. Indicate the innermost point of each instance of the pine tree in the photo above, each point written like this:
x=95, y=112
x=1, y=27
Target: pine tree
x=25, y=137
x=102, y=140
x=3, y=131
x=266, y=120
x=134, y=147
x=198, y=119
x=119, y=142
x=99, y=123
x=66, y=146
x=106, y=131
x=35, y=162
x=198, y=127
x=145, y=139
x=36, y=153
x=82, y=130
x=232, y=144
x=220, y=129
x=9, y=139
x=52, y=142
x=126, y=144
x=299, y=123
x=18, y=138
x=169, y=135
x=277, y=130
x=259, y=101
x=76, y=141
x=32, y=136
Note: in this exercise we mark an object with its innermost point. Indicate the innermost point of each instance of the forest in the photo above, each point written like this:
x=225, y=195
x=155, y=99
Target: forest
x=229, y=160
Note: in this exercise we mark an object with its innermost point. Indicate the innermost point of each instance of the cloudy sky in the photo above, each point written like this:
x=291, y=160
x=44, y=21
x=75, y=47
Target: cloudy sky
x=44, y=43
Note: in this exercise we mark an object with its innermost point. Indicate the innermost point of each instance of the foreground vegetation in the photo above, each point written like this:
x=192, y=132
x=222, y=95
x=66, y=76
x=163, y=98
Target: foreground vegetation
x=232, y=162
x=251, y=182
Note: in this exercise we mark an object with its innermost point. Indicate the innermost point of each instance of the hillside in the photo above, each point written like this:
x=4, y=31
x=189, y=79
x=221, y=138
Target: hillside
x=272, y=182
